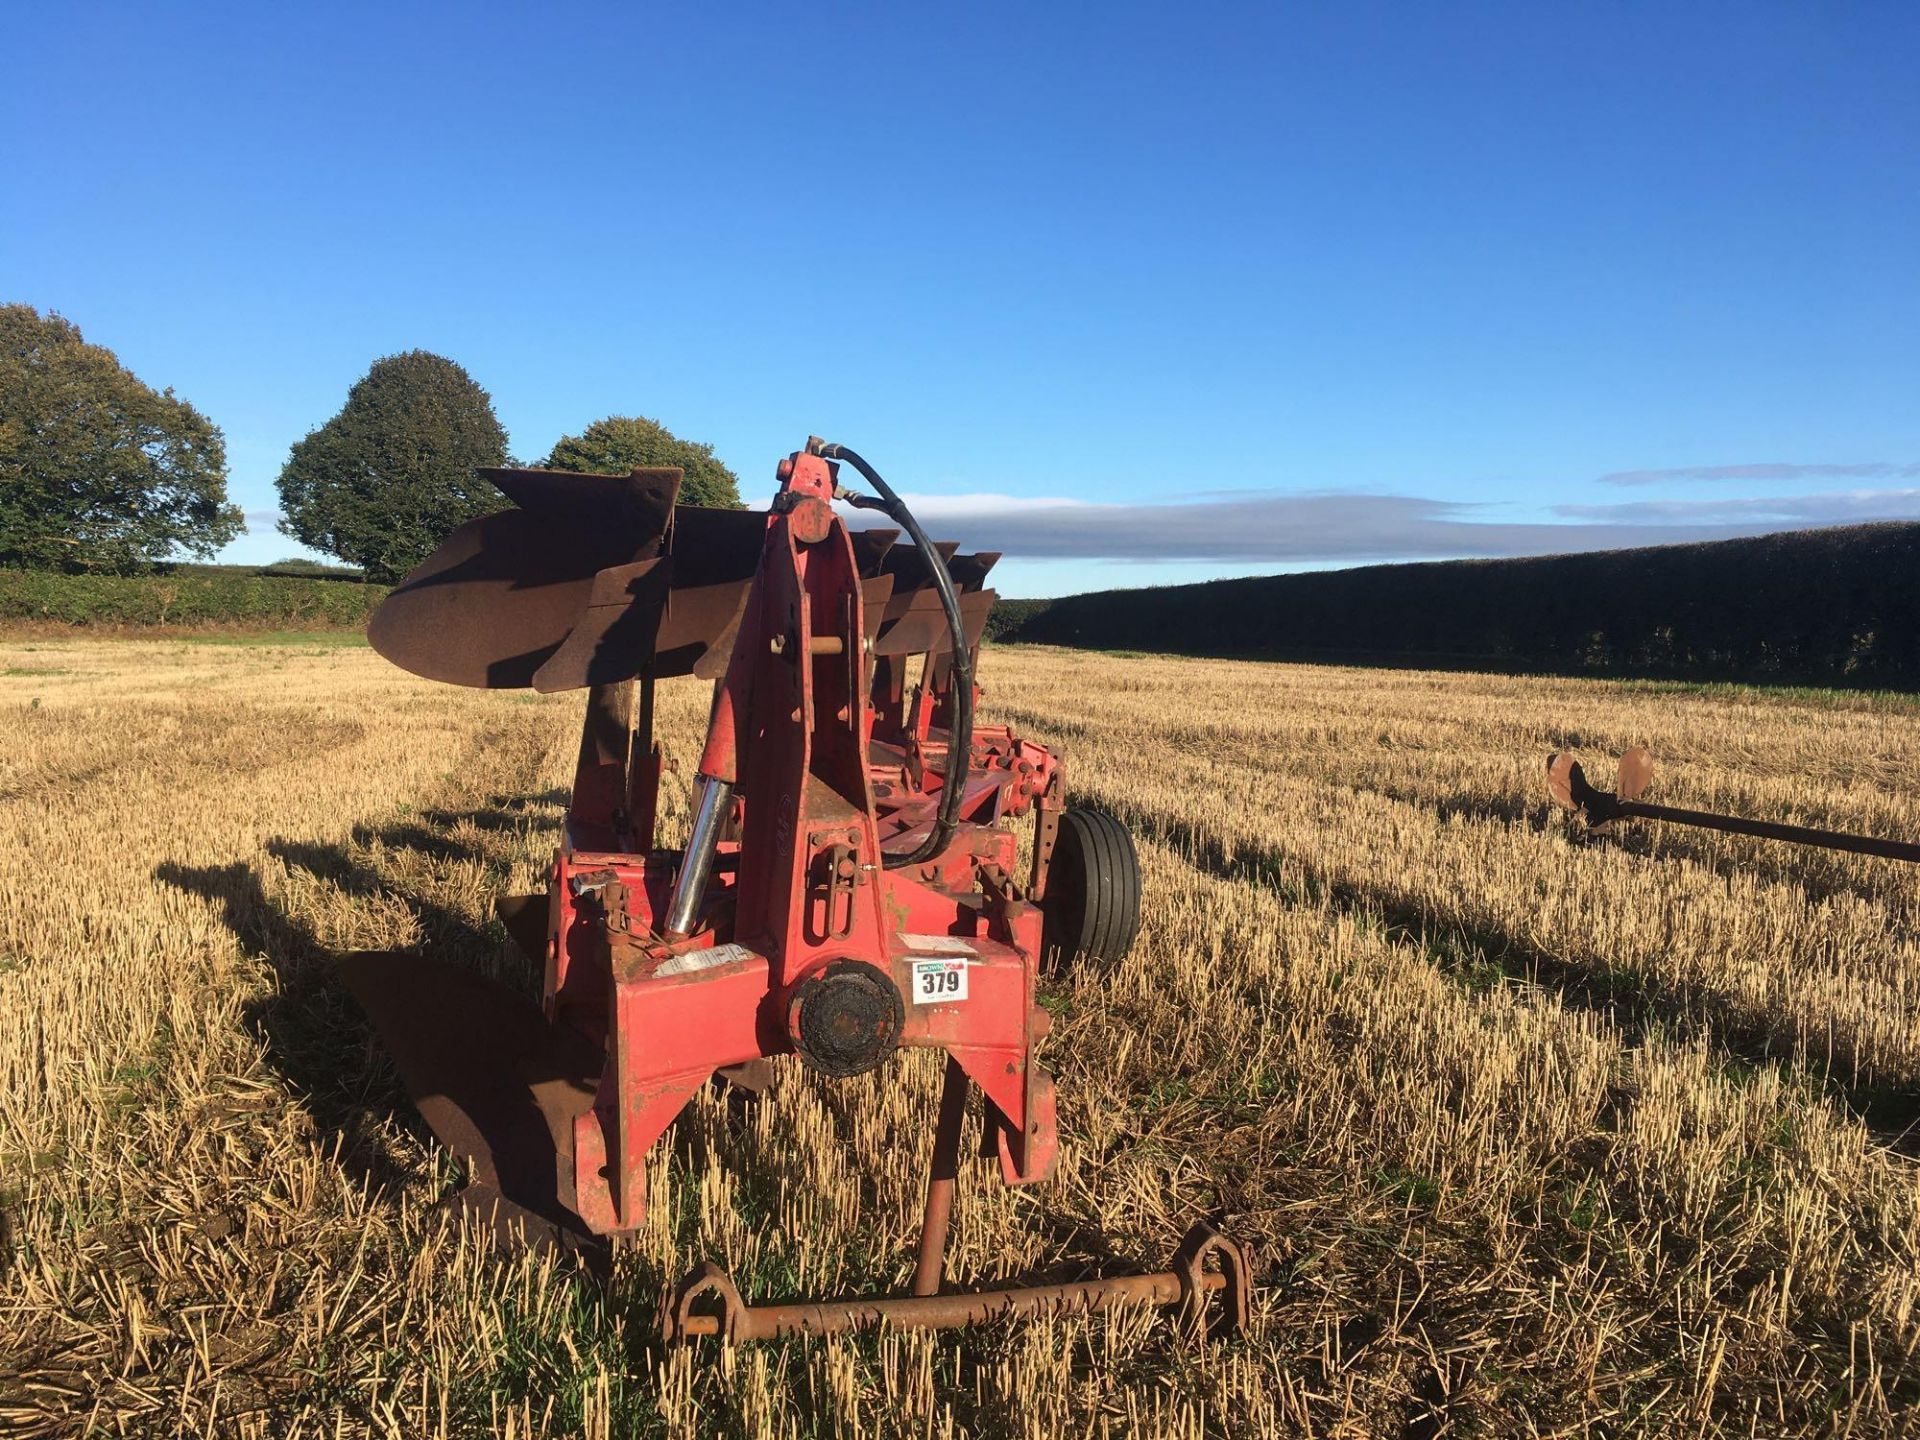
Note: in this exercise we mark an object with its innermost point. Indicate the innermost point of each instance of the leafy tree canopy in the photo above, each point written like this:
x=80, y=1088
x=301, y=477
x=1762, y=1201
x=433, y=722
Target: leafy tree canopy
x=99, y=471
x=389, y=477
x=618, y=443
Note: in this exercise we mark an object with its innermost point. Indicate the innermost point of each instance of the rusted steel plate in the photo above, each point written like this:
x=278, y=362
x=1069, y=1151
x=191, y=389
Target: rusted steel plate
x=921, y=625
x=629, y=509
x=715, y=555
x=913, y=583
x=525, y=920
x=695, y=639
x=870, y=549
x=909, y=567
x=874, y=595
x=497, y=604
x=969, y=572
x=499, y=595
x=710, y=546
x=493, y=603
x=497, y=1085
x=1561, y=768
x=698, y=629
x=974, y=610
x=1635, y=773
x=612, y=639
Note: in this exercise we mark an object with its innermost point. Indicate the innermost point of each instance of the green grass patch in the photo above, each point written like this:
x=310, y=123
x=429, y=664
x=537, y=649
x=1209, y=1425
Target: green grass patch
x=1898, y=702
x=1408, y=1186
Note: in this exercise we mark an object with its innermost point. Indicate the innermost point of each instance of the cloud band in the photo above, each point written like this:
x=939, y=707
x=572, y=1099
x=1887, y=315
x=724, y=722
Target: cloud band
x=1286, y=529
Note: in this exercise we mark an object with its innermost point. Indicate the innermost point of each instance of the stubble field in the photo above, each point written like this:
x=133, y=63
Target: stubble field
x=1530, y=1133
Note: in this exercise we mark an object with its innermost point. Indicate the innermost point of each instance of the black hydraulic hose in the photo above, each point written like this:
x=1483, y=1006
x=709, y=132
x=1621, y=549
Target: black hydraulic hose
x=960, y=732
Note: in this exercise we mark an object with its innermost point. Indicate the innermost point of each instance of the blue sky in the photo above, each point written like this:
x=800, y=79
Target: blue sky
x=1235, y=289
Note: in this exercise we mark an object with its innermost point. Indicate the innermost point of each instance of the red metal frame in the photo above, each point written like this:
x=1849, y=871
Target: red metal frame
x=820, y=800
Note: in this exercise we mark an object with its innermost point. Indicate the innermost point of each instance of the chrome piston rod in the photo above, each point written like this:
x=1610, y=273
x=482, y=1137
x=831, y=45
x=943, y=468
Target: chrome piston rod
x=714, y=798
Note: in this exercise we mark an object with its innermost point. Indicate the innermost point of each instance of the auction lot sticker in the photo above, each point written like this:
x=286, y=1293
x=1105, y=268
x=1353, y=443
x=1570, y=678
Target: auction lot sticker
x=939, y=982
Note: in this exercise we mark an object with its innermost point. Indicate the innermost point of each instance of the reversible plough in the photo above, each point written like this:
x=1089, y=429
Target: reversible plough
x=849, y=885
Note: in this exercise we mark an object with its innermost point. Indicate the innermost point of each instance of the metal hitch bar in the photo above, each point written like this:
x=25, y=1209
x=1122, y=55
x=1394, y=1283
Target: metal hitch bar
x=1567, y=783
x=1188, y=1285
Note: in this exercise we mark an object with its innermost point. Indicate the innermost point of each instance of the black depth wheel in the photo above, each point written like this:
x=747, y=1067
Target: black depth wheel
x=1093, y=892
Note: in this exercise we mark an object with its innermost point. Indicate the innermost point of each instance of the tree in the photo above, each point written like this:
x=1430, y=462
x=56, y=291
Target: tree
x=618, y=443
x=99, y=471
x=389, y=477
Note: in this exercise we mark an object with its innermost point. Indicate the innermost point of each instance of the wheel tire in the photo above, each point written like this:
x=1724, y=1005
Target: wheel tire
x=1092, y=902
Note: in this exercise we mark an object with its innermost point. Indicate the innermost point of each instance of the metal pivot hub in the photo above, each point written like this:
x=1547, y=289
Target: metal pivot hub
x=846, y=1018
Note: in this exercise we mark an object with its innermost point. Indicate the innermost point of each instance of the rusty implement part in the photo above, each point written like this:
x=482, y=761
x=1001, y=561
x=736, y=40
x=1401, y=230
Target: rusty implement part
x=1634, y=774
x=524, y=918
x=917, y=626
x=494, y=602
x=589, y=580
x=628, y=510
x=946, y=1166
x=497, y=1085
x=1214, y=1303
x=1567, y=783
x=909, y=567
x=491, y=605
x=870, y=549
x=970, y=571
x=612, y=636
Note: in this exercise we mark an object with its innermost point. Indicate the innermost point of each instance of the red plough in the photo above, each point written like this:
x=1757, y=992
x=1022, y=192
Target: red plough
x=850, y=885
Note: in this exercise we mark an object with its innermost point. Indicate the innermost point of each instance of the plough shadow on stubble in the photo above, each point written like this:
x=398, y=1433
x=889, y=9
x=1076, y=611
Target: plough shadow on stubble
x=314, y=1033
x=316, y=1036
x=1636, y=1006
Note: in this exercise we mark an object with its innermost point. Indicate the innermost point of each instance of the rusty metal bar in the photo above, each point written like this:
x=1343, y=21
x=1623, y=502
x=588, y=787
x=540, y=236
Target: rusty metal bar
x=946, y=1165
x=1567, y=783
x=1214, y=1302
x=1769, y=830
x=643, y=719
x=934, y=1312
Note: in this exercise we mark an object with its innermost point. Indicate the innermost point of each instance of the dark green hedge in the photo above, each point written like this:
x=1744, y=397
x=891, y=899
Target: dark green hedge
x=1008, y=616
x=194, y=600
x=1837, y=606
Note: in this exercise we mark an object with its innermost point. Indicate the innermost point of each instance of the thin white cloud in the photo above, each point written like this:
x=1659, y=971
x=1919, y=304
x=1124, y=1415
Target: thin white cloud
x=1829, y=507
x=1771, y=470
x=258, y=520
